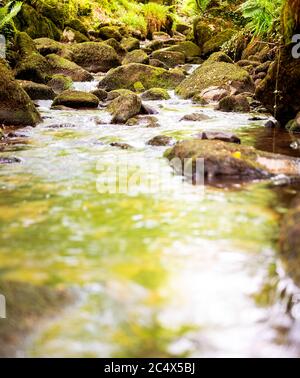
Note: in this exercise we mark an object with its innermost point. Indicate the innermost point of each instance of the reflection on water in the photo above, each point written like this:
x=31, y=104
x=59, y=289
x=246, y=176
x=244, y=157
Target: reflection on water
x=160, y=275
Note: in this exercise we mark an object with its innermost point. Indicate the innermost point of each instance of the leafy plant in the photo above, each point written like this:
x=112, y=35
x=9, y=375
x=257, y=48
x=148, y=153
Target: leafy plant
x=261, y=15
x=9, y=11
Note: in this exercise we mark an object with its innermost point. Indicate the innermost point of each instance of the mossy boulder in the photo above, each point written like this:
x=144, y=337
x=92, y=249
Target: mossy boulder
x=60, y=83
x=71, y=35
x=35, y=24
x=155, y=94
x=100, y=93
x=161, y=140
x=31, y=64
x=290, y=241
x=216, y=74
x=170, y=58
x=283, y=76
x=46, y=46
x=130, y=44
x=76, y=100
x=202, y=33
x=125, y=107
x=229, y=160
x=16, y=107
x=77, y=25
x=216, y=42
x=238, y=104
x=65, y=67
x=116, y=46
x=188, y=48
x=220, y=57
x=108, y=32
x=117, y=93
x=136, y=56
x=150, y=77
x=37, y=91
x=95, y=56
x=158, y=63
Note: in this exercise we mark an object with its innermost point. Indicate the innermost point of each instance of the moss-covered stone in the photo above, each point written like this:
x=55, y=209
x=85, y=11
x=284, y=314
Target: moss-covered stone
x=290, y=241
x=220, y=57
x=215, y=74
x=76, y=100
x=37, y=91
x=125, y=107
x=161, y=140
x=150, y=77
x=108, y=32
x=170, y=58
x=47, y=46
x=95, y=56
x=216, y=42
x=26, y=305
x=31, y=64
x=188, y=48
x=117, y=93
x=155, y=94
x=73, y=36
x=136, y=56
x=65, y=67
x=16, y=108
x=222, y=159
x=77, y=25
x=36, y=25
x=116, y=46
x=100, y=93
x=60, y=83
x=202, y=32
x=238, y=104
x=130, y=44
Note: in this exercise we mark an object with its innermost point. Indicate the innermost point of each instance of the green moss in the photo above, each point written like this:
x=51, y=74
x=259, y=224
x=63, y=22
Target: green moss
x=47, y=46
x=215, y=74
x=16, y=108
x=220, y=57
x=108, y=32
x=216, y=42
x=130, y=44
x=155, y=94
x=60, y=83
x=151, y=77
x=202, y=32
x=63, y=66
x=138, y=87
x=76, y=100
x=188, y=48
x=136, y=56
x=72, y=35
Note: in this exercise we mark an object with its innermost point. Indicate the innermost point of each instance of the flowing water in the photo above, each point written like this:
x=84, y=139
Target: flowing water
x=158, y=274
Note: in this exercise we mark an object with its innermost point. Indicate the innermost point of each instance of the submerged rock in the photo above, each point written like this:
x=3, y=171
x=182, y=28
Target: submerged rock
x=155, y=94
x=217, y=135
x=122, y=146
x=216, y=74
x=228, y=160
x=76, y=100
x=161, y=140
x=9, y=160
x=195, y=117
x=37, y=91
x=149, y=76
x=16, y=107
x=95, y=56
x=125, y=107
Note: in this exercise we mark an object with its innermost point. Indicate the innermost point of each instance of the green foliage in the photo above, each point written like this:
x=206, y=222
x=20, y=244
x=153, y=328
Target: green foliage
x=194, y=7
x=8, y=12
x=261, y=15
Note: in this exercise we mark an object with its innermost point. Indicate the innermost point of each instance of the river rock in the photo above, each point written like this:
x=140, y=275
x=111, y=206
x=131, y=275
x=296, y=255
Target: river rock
x=16, y=107
x=95, y=56
x=46, y=46
x=217, y=135
x=125, y=107
x=215, y=74
x=65, y=67
x=150, y=77
x=195, y=117
x=215, y=43
x=158, y=63
x=239, y=104
x=155, y=94
x=116, y=46
x=37, y=91
x=122, y=146
x=170, y=58
x=136, y=56
x=130, y=44
x=188, y=48
x=9, y=160
x=229, y=160
x=214, y=94
x=76, y=100
x=161, y=140
x=100, y=93
x=60, y=83
x=108, y=32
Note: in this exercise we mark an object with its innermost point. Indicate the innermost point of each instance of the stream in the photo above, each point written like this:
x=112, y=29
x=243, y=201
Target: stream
x=162, y=274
